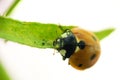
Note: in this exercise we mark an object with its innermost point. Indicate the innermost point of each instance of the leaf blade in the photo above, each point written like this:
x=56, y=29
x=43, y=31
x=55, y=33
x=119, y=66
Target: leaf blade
x=30, y=33
x=104, y=33
x=36, y=34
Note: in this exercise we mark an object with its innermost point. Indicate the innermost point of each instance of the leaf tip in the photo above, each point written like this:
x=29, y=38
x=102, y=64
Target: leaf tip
x=104, y=33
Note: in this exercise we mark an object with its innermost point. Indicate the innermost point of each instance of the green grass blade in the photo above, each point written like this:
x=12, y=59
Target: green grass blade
x=30, y=33
x=104, y=33
x=11, y=7
x=3, y=73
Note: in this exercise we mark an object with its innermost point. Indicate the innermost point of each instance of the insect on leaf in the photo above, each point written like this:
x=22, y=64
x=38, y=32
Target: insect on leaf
x=36, y=34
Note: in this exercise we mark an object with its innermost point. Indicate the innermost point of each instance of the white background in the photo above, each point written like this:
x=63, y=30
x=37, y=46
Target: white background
x=28, y=63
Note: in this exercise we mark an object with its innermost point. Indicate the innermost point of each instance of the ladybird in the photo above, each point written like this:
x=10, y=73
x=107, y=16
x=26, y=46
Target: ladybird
x=81, y=47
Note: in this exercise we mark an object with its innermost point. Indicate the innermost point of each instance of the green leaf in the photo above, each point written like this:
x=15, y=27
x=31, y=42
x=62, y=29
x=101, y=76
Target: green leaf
x=3, y=73
x=30, y=33
x=36, y=34
x=104, y=33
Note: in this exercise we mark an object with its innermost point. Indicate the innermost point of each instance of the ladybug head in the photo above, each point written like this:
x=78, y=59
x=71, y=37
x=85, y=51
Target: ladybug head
x=66, y=44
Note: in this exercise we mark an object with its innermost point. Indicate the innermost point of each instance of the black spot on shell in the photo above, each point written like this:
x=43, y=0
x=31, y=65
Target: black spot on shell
x=80, y=65
x=93, y=56
x=81, y=44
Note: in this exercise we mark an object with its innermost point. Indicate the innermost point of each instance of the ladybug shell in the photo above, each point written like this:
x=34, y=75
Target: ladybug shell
x=86, y=57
